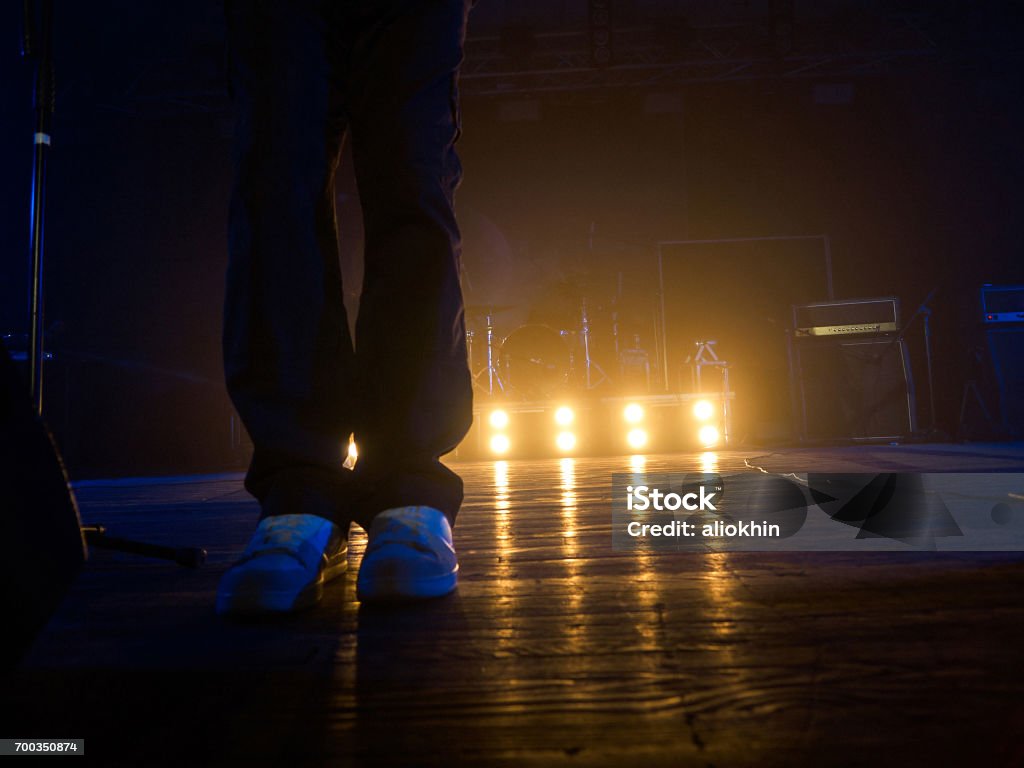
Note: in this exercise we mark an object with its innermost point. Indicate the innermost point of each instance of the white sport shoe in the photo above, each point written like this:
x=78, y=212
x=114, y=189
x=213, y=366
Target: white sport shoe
x=409, y=554
x=285, y=566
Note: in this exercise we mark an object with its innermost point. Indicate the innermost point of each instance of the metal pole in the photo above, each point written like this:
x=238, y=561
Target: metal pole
x=928, y=364
x=726, y=411
x=664, y=338
x=490, y=354
x=828, y=266
x=44, y=96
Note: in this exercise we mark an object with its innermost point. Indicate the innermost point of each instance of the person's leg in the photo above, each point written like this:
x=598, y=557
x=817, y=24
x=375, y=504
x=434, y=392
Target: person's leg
x=288, y=355
x=287, y=351
x=416, y=393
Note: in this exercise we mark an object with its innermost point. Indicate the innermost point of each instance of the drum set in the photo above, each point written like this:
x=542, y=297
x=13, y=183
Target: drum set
x=540, y=362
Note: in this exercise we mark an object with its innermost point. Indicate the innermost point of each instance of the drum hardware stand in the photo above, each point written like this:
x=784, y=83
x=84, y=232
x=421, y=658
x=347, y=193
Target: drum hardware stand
x=615, y=330
x=493, y=375
x=36, y=44
x=616, y=301
x=588, y=363
x=707, y=357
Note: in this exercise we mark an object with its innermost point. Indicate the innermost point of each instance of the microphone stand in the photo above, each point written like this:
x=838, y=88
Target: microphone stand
x=36, y=44
x=927, y=313
x=923, y=310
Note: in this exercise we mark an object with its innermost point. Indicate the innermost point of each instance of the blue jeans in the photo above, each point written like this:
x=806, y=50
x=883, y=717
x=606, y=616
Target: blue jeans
x=304, y=75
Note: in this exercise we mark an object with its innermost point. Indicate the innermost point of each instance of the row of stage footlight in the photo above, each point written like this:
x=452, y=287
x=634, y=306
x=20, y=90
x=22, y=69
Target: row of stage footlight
x=632, y=428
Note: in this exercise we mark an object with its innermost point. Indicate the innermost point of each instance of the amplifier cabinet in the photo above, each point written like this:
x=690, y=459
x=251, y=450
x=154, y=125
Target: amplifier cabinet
x=1006, y=350
x=853, y=388
x=1002, y=303
x=850, y=313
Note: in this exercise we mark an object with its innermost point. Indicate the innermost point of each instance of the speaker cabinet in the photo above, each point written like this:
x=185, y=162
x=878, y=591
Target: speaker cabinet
x=1006, y=350
x=851, y=389
x=43, y=544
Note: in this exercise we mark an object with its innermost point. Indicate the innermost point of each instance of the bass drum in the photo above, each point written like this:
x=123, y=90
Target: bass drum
x=535, y=362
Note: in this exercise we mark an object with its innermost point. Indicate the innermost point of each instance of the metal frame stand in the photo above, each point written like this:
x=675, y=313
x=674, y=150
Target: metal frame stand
x=493, y=375
x=707, y=357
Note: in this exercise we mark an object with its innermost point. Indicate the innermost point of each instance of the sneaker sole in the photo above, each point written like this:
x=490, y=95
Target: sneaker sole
x=262, y=601
x=266, y=602
x=394, y=590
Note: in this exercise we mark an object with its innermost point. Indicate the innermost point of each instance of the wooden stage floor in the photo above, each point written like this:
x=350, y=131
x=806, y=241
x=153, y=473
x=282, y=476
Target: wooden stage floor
x=555, y=650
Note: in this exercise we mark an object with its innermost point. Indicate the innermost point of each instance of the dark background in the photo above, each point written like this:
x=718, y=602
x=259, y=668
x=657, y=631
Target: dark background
x=893, y=127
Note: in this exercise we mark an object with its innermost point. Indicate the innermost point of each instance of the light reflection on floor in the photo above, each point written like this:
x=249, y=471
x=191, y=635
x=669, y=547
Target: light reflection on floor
x=557, y=648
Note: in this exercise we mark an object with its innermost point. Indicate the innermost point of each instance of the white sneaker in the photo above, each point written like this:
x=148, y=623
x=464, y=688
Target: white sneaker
x=285, y=566
x=409, y=554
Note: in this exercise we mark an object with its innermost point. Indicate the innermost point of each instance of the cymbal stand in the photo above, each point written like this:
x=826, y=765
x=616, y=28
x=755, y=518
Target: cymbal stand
x=616, y=302
x=493, y=376
x=588, y=363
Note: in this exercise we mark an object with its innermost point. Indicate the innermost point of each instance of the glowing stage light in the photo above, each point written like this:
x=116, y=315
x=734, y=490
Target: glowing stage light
x=633, y=413
x=703, y=410
x=708, y=435
x=564, y=416
x=637, y=438
x=565, y=441
x=499, y=419
x=500, y=444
